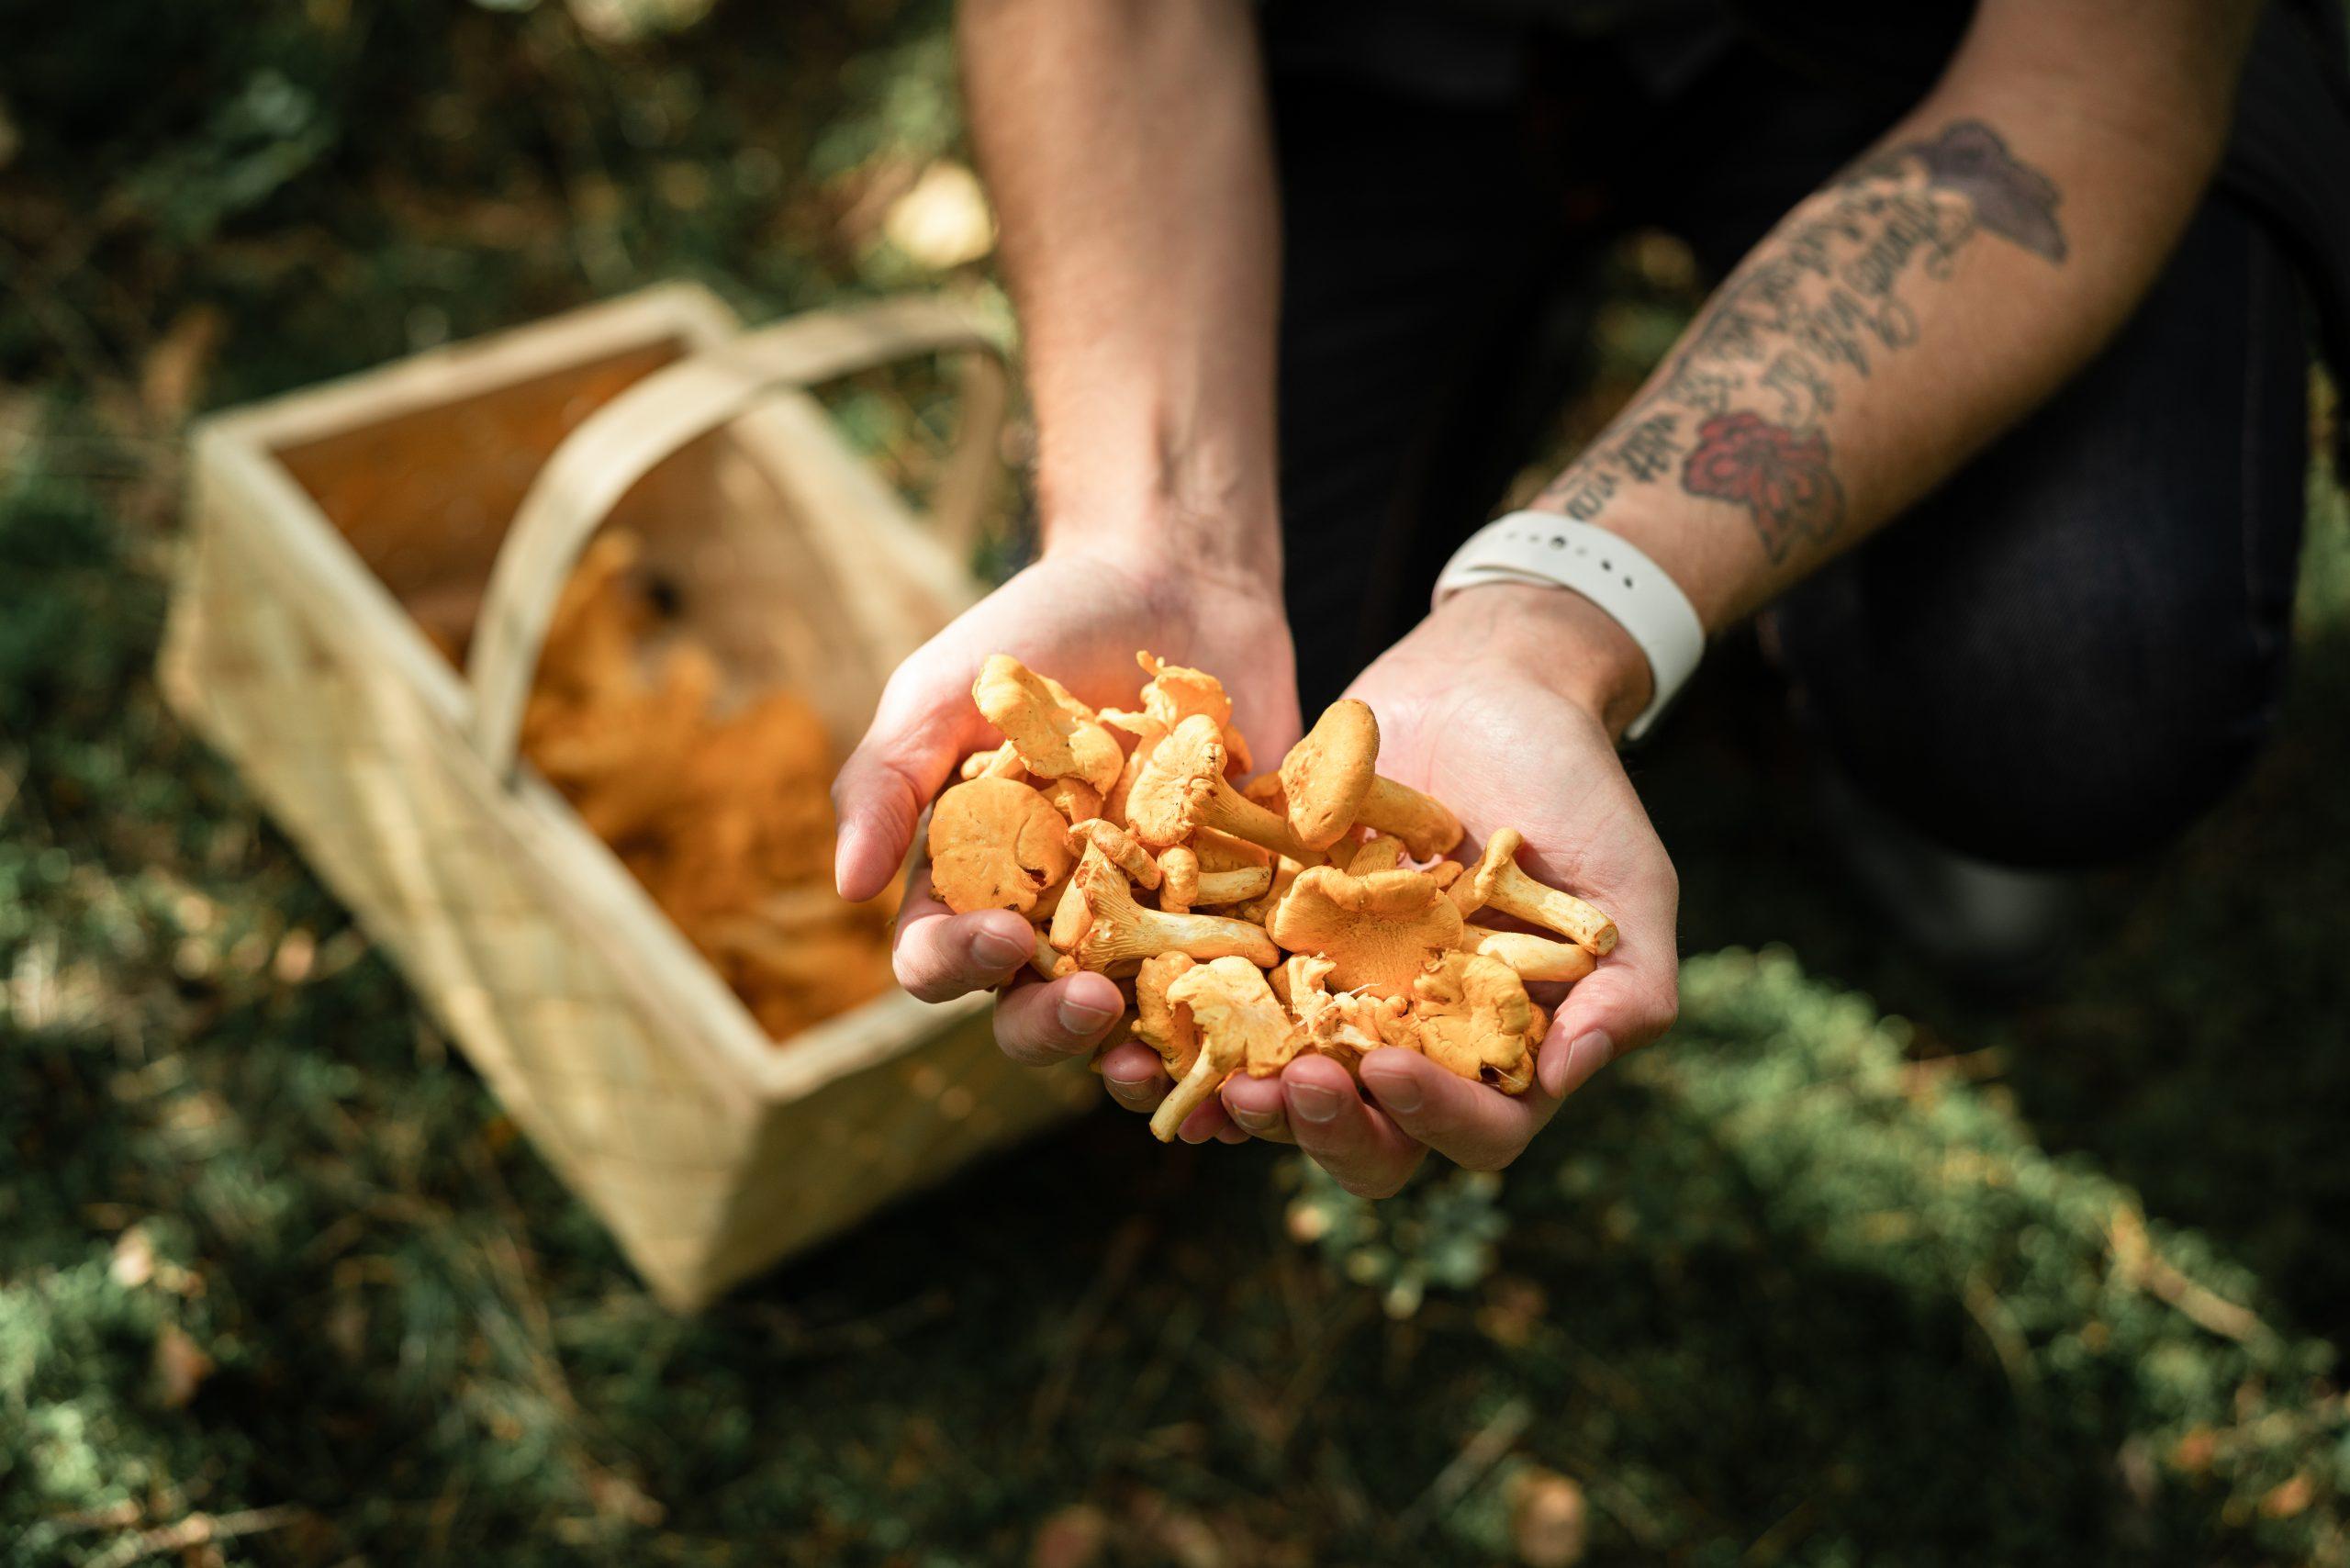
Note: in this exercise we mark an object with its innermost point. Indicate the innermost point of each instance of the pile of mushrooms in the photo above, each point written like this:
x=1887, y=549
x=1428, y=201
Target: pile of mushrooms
x=1313, y=910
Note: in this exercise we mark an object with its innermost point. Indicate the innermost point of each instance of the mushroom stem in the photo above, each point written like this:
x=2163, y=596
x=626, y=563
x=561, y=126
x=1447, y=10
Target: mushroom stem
x=1424, y=824
x=1002, y=763
x=1047, y=963
x=1179, y=870
x=1118, y=847
x=1232, y=886
x=1241, y=1026
x=1497, y=880
x=1518, y=894
x=1074, y=799
x=1117, y=930
x=1182, y=790
x=1534, y=957
x=1194, y=1089
x=1225, y=809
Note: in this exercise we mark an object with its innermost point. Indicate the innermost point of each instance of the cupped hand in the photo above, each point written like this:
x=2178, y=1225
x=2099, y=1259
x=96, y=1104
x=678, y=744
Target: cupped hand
x=1501, y=704
x=1077, y=617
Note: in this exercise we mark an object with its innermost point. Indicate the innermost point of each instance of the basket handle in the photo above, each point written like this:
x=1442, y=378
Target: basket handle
x=630, y=436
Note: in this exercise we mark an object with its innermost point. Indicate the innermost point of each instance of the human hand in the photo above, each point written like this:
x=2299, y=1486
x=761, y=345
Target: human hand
x=1503, y=704
x=1079, y=615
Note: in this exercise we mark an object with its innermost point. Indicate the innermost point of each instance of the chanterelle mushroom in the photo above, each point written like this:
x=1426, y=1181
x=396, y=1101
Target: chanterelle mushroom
x=1182, y=789
x=1160, y=1023
x=1119, y=930
x=1004, y=762
x=1056, y=735
x=1378, y=931
x=1534, y=957
x=1473, y=1018
x=1175, y=693
x=1495, y=880
x=1218, y=890
x=1119, y=846
x=1326, y=775
x=996, y=844
x=1329, y=781
x=1241, y=1028
x=1179, y=871
x=1330, y=1025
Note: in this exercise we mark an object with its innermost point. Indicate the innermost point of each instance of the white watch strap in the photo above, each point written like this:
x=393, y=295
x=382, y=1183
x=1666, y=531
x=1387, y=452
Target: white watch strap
x=1542, y=547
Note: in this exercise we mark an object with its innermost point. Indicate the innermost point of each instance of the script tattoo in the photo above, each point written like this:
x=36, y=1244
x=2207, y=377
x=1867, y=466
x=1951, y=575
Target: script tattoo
x=1825, y=301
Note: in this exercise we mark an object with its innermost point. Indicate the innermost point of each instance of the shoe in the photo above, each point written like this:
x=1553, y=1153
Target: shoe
x=1983, y=927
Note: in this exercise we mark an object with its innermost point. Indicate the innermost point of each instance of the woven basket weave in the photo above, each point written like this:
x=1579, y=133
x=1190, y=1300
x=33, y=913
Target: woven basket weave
x=709, y=1150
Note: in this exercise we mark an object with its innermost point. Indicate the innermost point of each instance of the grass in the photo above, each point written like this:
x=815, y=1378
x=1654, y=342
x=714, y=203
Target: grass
x=1855, y=1269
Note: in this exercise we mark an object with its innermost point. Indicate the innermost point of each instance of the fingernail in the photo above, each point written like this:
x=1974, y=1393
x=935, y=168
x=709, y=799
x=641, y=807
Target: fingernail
x=1396, y=1090
x=1083, y=1017
x=1312, y=1101
x=1126, y=1088
x=1255, y=1121
x=1588, y=1055
x=996, y=951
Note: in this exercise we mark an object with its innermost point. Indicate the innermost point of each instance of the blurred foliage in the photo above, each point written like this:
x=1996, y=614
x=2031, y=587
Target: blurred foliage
x=279, y=1285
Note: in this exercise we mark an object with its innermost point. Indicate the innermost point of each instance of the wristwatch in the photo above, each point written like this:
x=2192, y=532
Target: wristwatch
x=1603, y=567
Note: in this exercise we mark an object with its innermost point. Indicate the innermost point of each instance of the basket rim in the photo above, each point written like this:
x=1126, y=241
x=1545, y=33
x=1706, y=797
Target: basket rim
x=239, y=445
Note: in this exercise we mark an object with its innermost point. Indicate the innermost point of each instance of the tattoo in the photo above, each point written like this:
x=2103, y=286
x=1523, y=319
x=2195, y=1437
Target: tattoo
x=1736, y=413
x=1780, y=475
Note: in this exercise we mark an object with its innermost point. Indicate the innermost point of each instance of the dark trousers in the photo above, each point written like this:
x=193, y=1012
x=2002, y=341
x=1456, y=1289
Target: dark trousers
x=2062, y=657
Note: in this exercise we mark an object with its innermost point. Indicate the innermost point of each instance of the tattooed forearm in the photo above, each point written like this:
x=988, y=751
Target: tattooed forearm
x=1737, y=415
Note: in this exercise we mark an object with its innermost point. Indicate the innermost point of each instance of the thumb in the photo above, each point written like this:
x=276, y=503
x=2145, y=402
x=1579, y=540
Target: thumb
x=1617, y=1008
x=880, y=790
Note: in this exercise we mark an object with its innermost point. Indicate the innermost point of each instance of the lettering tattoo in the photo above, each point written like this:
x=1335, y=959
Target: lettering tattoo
x=1816, y=311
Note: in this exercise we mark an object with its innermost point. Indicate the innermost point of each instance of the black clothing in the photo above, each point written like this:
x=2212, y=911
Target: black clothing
x=2077, y=644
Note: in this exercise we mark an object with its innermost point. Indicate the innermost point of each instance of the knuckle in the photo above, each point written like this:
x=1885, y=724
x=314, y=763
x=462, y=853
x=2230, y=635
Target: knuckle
x=1664, y=1012
x=1488, y=1156
x=924, y=983
x=1385, y=1184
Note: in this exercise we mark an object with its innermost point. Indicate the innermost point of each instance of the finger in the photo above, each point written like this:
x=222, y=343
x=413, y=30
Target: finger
x=1477, y=1127
x=1259, y=1107
x=940, y=955
x=1365, y=1152
x=919, y=731
x=1208, y=1121
x=1617, y=1008
x=1040, y=1025
x=1134, y=1076
x=1631, y=998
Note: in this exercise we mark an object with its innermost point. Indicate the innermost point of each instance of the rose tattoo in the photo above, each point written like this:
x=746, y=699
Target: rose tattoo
x=1780, y=475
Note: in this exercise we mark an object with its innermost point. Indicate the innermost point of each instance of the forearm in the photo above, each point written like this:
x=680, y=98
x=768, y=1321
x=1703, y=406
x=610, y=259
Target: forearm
x=1905, y=314
x=1126, y=146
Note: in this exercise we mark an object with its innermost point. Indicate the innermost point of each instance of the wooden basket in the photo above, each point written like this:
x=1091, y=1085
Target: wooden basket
x=709, y=1150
